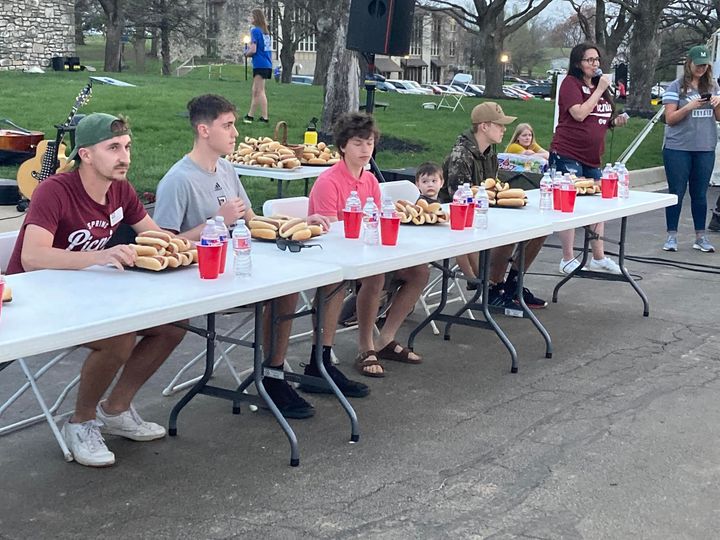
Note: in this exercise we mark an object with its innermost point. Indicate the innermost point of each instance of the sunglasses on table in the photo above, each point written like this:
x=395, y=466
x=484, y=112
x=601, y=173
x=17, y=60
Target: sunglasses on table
x=293, y=246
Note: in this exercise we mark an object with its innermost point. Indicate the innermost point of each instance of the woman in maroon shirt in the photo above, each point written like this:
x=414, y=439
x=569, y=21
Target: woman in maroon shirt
x=586, y=112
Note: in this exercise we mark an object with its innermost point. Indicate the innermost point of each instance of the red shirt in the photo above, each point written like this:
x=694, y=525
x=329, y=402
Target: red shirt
x=61, y=206
x=333, y=187
x=583, y=141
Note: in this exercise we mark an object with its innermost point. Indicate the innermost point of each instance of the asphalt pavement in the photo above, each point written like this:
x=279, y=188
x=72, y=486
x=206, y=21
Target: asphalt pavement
x=616, y=436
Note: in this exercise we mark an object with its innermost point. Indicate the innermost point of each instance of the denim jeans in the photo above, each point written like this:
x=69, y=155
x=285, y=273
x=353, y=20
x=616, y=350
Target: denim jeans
x=566, y=165
x=684, y=168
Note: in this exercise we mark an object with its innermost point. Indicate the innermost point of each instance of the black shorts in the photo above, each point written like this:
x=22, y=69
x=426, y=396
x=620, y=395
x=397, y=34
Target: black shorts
x=265, y=73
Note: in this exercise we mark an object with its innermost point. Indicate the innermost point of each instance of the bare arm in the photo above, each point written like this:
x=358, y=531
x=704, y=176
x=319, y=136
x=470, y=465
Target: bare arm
x=38, y=253
x=674, y=115
x=250, y=49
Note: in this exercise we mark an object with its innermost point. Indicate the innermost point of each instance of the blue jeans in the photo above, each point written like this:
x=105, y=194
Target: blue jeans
x=682, y=168
x=567, y=165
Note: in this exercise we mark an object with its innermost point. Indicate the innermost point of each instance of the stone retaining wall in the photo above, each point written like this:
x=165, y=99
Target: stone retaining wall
x=33, y=31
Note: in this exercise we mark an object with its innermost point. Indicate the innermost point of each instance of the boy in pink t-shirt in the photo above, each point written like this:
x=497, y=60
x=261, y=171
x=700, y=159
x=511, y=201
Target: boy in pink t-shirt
x=355, y=137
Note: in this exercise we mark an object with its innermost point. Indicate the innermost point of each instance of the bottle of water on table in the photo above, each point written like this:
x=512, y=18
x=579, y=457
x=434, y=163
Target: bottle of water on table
x=623, y=180
x=209, y=235
x=241, y=243
x=546, y=193
x=388, y=207
x=222, y=230
x=371, y=220
x=353, y=203
x=481, y=209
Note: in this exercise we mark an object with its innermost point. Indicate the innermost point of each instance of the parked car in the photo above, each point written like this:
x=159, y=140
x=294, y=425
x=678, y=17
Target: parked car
x=301, y=79
x=410, y=87
x=470, y=89
x=448, y=89
x=522, y=94
x=513, y=80
x=434, y=87
x=386, y=86
x=540, y=90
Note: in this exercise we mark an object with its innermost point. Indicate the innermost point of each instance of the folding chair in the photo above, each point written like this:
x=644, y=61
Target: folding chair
x=452, y=100
x=400, y=189
x=7, y=242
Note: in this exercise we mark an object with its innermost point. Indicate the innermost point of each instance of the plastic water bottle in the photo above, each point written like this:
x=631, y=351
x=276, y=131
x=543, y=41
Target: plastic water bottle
x=468, y=193
x=459, y=196
x=546, y=193
x=371, y=220
x=623, y=180
x=209, y=235
x=353, y=203
x=388, y=207
x=609, y=173
x=222, y=230
x=242, y=245
x=481, y=209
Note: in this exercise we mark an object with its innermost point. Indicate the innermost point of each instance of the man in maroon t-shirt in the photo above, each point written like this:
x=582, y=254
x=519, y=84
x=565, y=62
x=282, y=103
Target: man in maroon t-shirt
x=71, y=219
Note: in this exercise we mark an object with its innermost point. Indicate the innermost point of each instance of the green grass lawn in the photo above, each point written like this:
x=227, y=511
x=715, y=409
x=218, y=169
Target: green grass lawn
x=161, y=135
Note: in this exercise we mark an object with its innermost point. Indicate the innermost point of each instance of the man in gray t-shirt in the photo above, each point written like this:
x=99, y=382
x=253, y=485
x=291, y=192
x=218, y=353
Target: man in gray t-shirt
x=189, y=194
x=203, y=184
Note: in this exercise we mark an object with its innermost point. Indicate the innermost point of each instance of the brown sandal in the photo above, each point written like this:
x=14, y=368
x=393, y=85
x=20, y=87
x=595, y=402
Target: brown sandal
x=388, y=353
x=364, y=361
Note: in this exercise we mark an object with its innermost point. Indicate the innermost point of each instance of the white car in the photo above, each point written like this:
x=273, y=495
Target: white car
x=408, y=87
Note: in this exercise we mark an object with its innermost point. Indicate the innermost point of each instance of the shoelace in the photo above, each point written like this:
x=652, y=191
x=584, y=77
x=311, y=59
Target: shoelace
x=135, y=416
x=91, y=436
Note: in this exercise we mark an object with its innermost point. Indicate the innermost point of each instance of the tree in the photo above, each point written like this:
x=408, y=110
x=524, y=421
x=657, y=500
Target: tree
x=643, y=52
x=487, y=20
x=605, y=24
x=687, y=23
x=343, y=81
x=295, y=21
x=325, y=30
x=114, y=28
x=525, y=47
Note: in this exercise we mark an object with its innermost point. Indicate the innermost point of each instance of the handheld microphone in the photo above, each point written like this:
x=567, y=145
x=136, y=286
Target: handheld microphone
x=599, y=73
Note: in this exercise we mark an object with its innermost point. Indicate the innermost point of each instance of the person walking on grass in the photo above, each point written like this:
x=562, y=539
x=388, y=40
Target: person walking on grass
x=260, y=50
x=692, y=108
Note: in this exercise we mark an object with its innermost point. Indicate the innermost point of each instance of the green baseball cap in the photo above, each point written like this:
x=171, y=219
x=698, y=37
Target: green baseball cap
x=699, y=55
x=95, y=128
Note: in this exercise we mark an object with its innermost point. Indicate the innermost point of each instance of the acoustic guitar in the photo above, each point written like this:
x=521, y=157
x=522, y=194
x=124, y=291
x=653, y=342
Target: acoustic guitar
x=50, y=156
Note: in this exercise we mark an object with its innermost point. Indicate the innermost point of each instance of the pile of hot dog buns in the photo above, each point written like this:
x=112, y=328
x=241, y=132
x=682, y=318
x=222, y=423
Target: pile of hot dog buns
x=318, y=154
x=157, y=250
x=270, y=228
x=586, y=186
x=264, y=152
x=501, y=194
x=7, y=293
x=420, y=213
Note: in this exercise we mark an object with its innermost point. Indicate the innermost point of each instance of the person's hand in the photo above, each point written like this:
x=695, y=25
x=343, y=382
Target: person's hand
x=117, y=256
x=528, y=153
x=604, y=82
x=317, y=219
x=620, y=120
x=695, y=104
x=232, y=210
x=714, y=101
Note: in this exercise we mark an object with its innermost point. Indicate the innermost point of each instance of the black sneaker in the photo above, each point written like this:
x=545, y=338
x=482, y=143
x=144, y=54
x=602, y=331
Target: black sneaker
x=287, y=400
x=247, y=119
x=347, y=387
x=263, y=120
x=496, y=296
x=471, y=286
x=714, y=224
x=531, y=301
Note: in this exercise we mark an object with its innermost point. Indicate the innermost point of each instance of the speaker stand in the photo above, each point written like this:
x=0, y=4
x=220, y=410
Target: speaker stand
x=370, y=84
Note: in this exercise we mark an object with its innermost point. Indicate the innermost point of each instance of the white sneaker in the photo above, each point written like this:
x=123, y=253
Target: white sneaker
x=87, y=445
x=604, y=265
x=567, y=267
x=128, y=424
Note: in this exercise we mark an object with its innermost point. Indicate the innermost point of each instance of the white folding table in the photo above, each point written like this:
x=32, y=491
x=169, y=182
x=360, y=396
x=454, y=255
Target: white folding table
x=594, y=209
x=55, y=309
x=281, y=175
x=422, y=245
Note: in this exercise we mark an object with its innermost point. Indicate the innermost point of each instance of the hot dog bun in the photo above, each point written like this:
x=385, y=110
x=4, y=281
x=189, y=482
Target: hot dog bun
x=511, y=194
x=303, y=234
x=292, y=226
x=255, y=224
x=263, y=234
x=173, y=261
x=152, y=241
x=7, y=294
x=315, y=230
x=514, y=203
x=144, y=251
x=423, y=204
x=434, y=207
x=162, y=235
x=151, y=263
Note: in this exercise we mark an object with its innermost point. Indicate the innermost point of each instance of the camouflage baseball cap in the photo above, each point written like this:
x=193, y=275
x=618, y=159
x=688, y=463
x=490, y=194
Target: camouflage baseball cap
x=95, y=128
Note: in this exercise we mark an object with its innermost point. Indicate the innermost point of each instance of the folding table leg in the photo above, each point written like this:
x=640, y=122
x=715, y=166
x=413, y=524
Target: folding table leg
x=438, y=310
x=528, y=312
x=628, y=277
x=46, y=412
x=563, y=281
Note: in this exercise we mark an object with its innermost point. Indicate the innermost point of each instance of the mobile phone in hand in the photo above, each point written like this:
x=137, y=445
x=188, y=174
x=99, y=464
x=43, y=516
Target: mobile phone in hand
x=705, y=97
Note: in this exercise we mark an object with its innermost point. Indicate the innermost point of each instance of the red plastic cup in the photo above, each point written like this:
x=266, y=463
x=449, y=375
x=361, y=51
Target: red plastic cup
x=470, y=215
x=567, y=200
x=556, y=198
x=2, y=290
x=223, y=255
x=209, y=261
x=458, y=216
x=352, y=221
x=389, y=229
x=608, y=188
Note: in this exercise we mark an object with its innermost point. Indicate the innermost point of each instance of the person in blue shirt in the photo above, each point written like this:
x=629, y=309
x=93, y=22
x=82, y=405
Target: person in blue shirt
x=260, y=50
